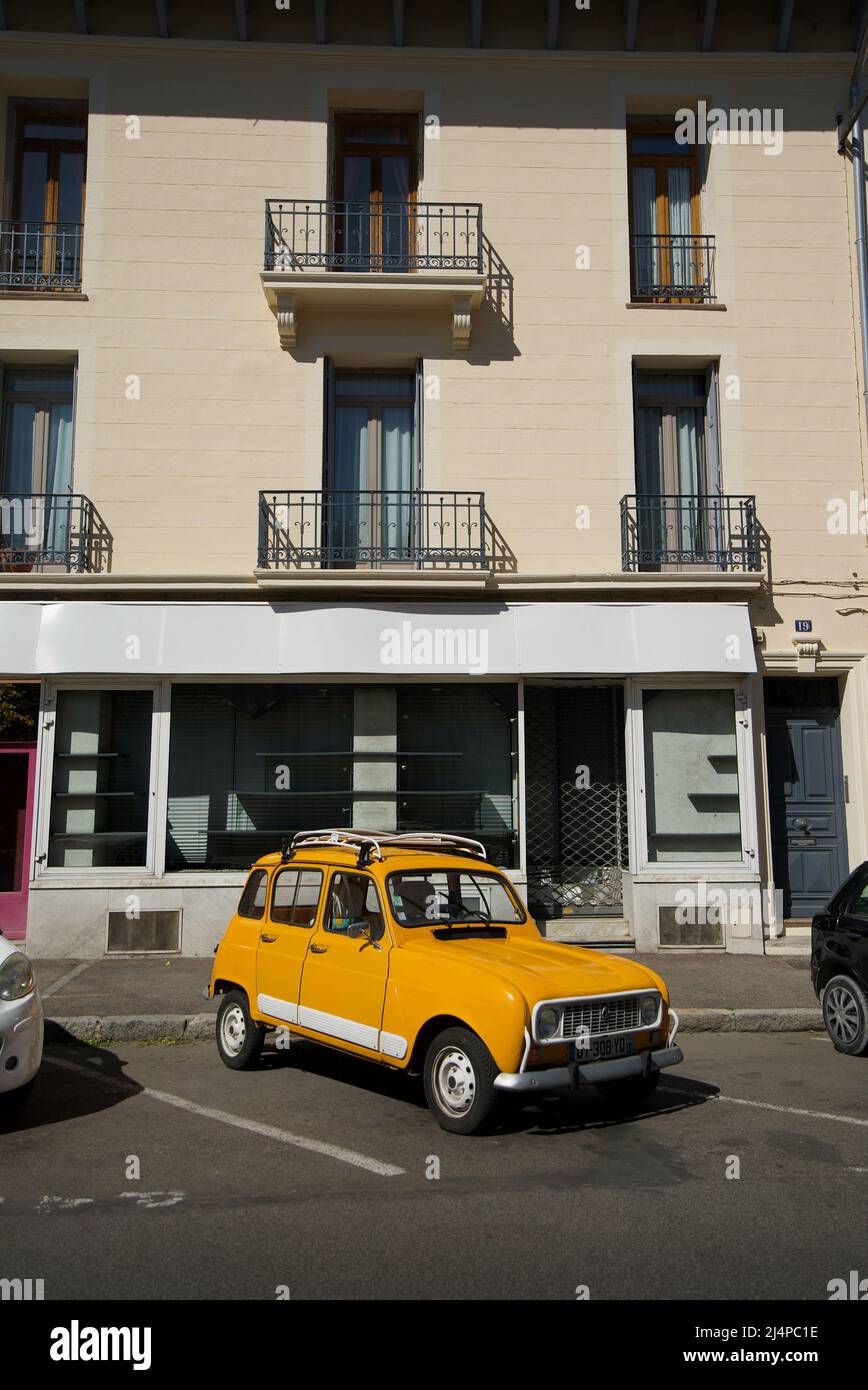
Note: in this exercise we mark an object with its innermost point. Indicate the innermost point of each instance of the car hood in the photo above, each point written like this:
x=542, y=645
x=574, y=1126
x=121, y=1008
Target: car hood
x=545, y=969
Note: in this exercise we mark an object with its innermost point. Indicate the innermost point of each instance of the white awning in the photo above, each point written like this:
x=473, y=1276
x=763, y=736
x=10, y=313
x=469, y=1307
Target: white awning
x=225, y=640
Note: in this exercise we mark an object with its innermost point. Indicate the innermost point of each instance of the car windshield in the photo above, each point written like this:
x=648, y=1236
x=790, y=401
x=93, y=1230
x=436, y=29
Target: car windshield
x=447, y=897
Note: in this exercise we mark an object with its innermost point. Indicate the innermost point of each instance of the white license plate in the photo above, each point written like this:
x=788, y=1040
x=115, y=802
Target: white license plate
x=600, y=1049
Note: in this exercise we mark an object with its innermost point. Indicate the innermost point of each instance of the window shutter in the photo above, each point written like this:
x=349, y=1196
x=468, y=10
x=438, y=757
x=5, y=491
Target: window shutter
x=712, y=429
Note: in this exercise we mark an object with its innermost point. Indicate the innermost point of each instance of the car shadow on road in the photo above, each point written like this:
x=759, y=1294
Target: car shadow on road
x=75, y=1079
x=544, y=1115
x=570, y=1114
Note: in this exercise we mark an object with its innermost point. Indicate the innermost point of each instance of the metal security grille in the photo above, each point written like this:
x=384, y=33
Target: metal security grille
x=576, y=799
x=602, y=1016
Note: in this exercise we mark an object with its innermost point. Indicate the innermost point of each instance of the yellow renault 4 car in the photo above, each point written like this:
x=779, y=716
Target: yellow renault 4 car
x=413, y=951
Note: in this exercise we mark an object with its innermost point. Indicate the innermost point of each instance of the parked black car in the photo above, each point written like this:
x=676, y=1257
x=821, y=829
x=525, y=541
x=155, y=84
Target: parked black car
x=839, y=964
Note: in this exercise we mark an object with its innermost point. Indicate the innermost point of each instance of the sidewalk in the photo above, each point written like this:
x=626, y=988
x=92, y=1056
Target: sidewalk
x=130, y=998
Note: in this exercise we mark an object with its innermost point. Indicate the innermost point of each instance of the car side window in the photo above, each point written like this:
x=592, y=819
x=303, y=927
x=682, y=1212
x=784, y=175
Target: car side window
x=252, y=902
x=353, y=898
x=295, y=898
x=857, y=905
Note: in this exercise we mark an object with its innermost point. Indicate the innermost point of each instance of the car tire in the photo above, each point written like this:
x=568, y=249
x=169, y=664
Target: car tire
x=11, y=1100
x=845, y=1014
x=459, y=1081
x=239, y=1039
x=630, y=1092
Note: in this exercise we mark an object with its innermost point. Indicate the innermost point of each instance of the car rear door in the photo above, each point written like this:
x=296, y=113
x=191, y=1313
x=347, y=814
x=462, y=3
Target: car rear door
x=343, y=985
x=284, y=937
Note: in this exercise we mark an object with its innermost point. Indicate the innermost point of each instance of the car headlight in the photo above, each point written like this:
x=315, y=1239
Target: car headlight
x=650, y=1008
x=548, y=1021
x=16, y=977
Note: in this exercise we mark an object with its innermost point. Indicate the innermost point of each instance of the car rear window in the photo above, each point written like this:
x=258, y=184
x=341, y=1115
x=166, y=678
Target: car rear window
x=252, y=902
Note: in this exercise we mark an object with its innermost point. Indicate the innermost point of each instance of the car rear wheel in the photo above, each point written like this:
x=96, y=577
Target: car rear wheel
x=845, y=1014
x=239, y=1039
x=459, y=1081
x=630, y=1092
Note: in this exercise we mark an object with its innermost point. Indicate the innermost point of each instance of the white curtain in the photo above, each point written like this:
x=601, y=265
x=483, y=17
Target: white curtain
x=681, y=269
x=645, y=252
x=396, y=467
x=348, y=526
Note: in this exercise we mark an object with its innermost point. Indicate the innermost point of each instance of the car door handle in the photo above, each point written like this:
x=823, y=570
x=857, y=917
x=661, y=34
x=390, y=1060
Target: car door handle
x=318, y=950
x=265, y=937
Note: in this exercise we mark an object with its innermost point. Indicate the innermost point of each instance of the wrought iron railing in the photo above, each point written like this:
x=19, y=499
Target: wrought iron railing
x=41, y=531
x=40, y=255
x=717, y=532
x=336, y=529
x=332, y=234
x=667, y=269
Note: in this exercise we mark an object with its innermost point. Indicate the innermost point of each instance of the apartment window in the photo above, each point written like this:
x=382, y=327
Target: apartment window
x=41, y=242
x=670, y=260
x=100, y=789
x=372, y=466
x=375, y=184
x=692, y=804
x=36, y=460
x=677, y=467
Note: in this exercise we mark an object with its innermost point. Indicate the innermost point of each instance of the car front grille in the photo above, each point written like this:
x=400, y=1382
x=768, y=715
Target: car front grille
x=590, y=1016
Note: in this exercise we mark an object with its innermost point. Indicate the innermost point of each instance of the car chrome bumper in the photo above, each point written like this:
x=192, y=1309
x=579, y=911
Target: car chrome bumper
x=576, y=1074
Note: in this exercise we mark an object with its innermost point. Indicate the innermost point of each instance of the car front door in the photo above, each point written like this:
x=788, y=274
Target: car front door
x=286, y=932
x=343, y=984
x=852, y=931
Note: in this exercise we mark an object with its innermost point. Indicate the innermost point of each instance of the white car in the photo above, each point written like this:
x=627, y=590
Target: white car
x=21, y=1025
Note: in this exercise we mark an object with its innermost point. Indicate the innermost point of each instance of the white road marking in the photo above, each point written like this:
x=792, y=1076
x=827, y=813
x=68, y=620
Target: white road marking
x=65, y=979
x=282, y=1136
x=767, y=1105
x=155, y=1199
x=64, y=1203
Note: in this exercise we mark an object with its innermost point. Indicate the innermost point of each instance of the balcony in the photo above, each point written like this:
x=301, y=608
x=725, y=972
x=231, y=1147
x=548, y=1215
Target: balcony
x=40, y=255
x=672, y=270
x=344, y=530
x=377, y=255
x=660, y=532
x=49, y=531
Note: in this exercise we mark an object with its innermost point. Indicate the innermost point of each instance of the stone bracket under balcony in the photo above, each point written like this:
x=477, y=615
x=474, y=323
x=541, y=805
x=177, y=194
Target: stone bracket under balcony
x=326, y=254
x=292, y=294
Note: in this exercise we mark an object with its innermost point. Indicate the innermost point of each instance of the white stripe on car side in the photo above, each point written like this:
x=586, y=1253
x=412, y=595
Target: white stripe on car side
x=277, y=1008
x=334, y=1026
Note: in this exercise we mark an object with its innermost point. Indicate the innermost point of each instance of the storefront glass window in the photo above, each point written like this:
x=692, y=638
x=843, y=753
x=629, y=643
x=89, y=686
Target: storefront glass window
x=691, y=776
x=101, y=779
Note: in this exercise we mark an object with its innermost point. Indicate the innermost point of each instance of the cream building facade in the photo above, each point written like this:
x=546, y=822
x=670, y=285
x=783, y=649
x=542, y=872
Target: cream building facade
x=404, y=425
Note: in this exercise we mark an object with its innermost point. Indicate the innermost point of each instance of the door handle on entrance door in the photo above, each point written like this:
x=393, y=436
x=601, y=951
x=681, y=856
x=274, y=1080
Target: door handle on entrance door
x=318, y=950
x=264, y=937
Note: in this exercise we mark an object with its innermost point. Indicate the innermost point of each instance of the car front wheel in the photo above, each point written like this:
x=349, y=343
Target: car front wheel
x=845, y=1014
x=239, y=1039
x=459, y=1081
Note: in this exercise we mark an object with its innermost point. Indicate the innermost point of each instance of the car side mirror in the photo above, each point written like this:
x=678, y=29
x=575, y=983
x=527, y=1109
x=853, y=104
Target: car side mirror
x=370, y=933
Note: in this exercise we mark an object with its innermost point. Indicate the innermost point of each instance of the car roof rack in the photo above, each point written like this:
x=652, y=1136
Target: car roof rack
x=371, y=843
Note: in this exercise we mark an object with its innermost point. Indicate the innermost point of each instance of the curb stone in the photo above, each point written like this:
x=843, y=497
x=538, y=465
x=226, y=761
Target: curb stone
x=199, y=1027
x=750, y=1020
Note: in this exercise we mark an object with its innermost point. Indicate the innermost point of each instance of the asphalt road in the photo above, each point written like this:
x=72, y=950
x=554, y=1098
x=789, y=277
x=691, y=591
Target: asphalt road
x=312, y=1173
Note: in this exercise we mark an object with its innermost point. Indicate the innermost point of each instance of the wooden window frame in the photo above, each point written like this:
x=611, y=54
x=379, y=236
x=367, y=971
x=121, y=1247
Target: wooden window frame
x=660, y=163
x=345, y=120
x=53, y=148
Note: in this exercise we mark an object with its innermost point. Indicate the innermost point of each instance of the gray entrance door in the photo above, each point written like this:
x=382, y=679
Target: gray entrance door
x=806, y=792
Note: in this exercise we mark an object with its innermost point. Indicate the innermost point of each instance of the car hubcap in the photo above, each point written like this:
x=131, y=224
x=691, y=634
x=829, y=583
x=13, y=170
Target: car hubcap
x=234, y=1030
x=842, y=1015
x=454, y=1081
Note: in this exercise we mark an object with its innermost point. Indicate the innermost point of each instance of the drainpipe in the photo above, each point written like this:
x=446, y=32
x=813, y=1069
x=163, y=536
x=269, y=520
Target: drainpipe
x=861, y=234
